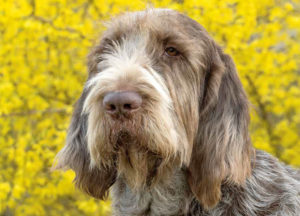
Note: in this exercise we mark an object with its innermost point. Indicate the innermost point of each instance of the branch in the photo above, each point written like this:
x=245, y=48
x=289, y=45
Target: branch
x=263, y=113
x=34, y=112
x=50, y=22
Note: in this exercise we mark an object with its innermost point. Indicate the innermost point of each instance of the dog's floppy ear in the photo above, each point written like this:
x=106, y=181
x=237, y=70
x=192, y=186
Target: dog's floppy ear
x=222, y=147
x=94, y=181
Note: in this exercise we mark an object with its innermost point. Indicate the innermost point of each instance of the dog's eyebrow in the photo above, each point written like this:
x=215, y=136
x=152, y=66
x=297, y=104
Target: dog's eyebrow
x=180, y=42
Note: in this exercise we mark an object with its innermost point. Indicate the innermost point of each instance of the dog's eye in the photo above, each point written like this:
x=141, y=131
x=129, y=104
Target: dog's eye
x=171, y=51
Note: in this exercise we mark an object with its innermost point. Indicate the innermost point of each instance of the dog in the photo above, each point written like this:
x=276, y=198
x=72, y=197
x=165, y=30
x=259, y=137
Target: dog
x=163, y=121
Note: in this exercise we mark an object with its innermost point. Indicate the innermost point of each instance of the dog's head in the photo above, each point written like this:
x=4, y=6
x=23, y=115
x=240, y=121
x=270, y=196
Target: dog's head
x=160, y=95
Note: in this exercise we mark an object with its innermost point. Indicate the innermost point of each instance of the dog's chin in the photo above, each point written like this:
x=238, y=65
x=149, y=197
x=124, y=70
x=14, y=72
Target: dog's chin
x=140, y=166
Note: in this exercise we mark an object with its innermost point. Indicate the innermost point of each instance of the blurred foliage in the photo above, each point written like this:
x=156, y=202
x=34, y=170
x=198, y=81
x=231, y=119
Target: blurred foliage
x=43, y=48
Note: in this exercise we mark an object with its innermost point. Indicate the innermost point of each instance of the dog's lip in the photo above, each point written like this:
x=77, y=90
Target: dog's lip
x=124, y=136
x=120, y=119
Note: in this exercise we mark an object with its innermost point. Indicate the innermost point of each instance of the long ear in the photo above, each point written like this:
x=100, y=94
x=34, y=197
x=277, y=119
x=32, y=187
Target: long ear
x=75, y=155
x=222, y=149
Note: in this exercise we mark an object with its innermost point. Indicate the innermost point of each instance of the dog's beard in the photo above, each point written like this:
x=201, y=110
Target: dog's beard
x=137, y=160
x=137, y=164
x=141, y=148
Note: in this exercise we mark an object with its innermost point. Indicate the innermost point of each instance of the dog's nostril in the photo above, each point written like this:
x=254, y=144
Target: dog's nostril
x=127, y=106
x=112, y=107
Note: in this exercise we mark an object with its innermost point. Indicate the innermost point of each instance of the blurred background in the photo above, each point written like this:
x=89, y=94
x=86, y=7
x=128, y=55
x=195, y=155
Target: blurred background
x=43, y=49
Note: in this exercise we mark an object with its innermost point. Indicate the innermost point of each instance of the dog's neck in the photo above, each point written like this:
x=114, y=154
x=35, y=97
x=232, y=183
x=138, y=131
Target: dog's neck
x=169, y=198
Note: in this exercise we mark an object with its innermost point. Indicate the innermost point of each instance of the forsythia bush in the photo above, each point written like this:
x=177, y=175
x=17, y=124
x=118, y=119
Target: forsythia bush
x=43, y=48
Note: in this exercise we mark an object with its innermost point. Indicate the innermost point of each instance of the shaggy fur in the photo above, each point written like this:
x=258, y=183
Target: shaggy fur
x=187, y=150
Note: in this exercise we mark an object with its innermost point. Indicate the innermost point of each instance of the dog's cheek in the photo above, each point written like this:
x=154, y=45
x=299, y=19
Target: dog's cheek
x=184, y=87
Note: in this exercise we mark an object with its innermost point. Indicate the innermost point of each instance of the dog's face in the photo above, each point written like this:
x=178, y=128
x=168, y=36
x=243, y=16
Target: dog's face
x=160, y=96
x=145, y=62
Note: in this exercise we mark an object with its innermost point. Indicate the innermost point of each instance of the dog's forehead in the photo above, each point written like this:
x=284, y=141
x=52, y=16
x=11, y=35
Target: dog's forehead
x=158, y=21
x=145, y=34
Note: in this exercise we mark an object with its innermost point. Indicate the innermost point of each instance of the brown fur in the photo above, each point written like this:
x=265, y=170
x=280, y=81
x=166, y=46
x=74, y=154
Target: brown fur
x=222, y=149
x=94, y=181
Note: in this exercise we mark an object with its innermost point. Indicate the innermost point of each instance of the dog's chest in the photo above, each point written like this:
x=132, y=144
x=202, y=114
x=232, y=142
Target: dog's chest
x=171, y=198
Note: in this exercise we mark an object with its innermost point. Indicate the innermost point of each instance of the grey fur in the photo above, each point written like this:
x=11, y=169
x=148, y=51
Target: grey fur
x=272, y=190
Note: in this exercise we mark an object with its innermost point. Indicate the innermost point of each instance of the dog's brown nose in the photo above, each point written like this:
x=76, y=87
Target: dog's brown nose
x=122, y=102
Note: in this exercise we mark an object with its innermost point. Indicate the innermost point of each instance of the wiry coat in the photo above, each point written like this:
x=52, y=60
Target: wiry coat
x=272, y=190
x=187, y=150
